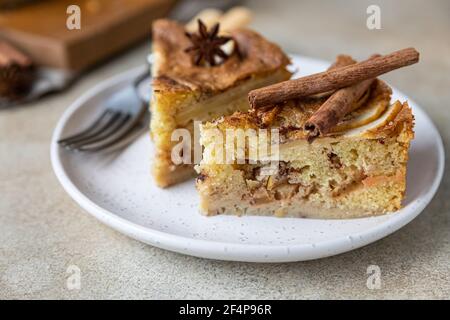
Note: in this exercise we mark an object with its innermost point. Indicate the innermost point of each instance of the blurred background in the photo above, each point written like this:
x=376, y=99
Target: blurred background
x=115, y=37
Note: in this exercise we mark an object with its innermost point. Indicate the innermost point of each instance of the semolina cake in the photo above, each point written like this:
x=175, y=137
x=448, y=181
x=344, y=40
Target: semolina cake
x=264, y=162
x=187, y=89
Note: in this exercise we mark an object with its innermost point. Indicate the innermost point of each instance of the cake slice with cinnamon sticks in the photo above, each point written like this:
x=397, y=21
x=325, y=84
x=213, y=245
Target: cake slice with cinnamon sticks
x=199, y=76
x=336, y=148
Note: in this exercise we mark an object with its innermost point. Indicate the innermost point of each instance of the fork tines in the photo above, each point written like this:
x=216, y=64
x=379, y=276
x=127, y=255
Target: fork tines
x=107, y=129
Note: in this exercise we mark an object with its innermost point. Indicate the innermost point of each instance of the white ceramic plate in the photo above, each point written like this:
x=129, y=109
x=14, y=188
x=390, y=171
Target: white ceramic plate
x=118, y=190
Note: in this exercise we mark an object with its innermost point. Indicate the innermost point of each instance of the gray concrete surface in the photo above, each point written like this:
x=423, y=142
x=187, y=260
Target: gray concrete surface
x=42, y=231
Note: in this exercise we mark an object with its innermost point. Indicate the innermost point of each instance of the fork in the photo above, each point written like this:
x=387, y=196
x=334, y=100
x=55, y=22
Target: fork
x=124, y=119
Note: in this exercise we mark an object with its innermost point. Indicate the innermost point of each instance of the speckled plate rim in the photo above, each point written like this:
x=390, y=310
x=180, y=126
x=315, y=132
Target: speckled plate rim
x=235, y=251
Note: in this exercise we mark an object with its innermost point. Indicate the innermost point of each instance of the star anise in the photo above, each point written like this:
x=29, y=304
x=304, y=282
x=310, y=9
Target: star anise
x=15, y=81
x=17, y=73
x=206, y=45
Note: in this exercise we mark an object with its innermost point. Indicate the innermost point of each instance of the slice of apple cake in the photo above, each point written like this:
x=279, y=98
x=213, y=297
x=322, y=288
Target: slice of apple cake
x=268, y=161
x=195, y=78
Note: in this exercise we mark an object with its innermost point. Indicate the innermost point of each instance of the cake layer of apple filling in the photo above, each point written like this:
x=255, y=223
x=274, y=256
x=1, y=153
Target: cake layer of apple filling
x=358, y=170
x=328, y=179
x=205, y=107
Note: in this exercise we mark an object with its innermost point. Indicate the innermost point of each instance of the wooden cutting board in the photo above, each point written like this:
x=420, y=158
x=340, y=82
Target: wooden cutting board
x=107, y=26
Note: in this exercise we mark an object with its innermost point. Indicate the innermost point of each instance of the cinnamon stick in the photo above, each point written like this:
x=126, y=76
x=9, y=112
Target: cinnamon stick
x=332, y=79
x=341, y=103
x=342, y=60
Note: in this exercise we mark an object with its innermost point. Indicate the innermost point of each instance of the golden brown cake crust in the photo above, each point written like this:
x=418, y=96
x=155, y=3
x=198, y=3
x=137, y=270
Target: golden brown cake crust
x=176, y=70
